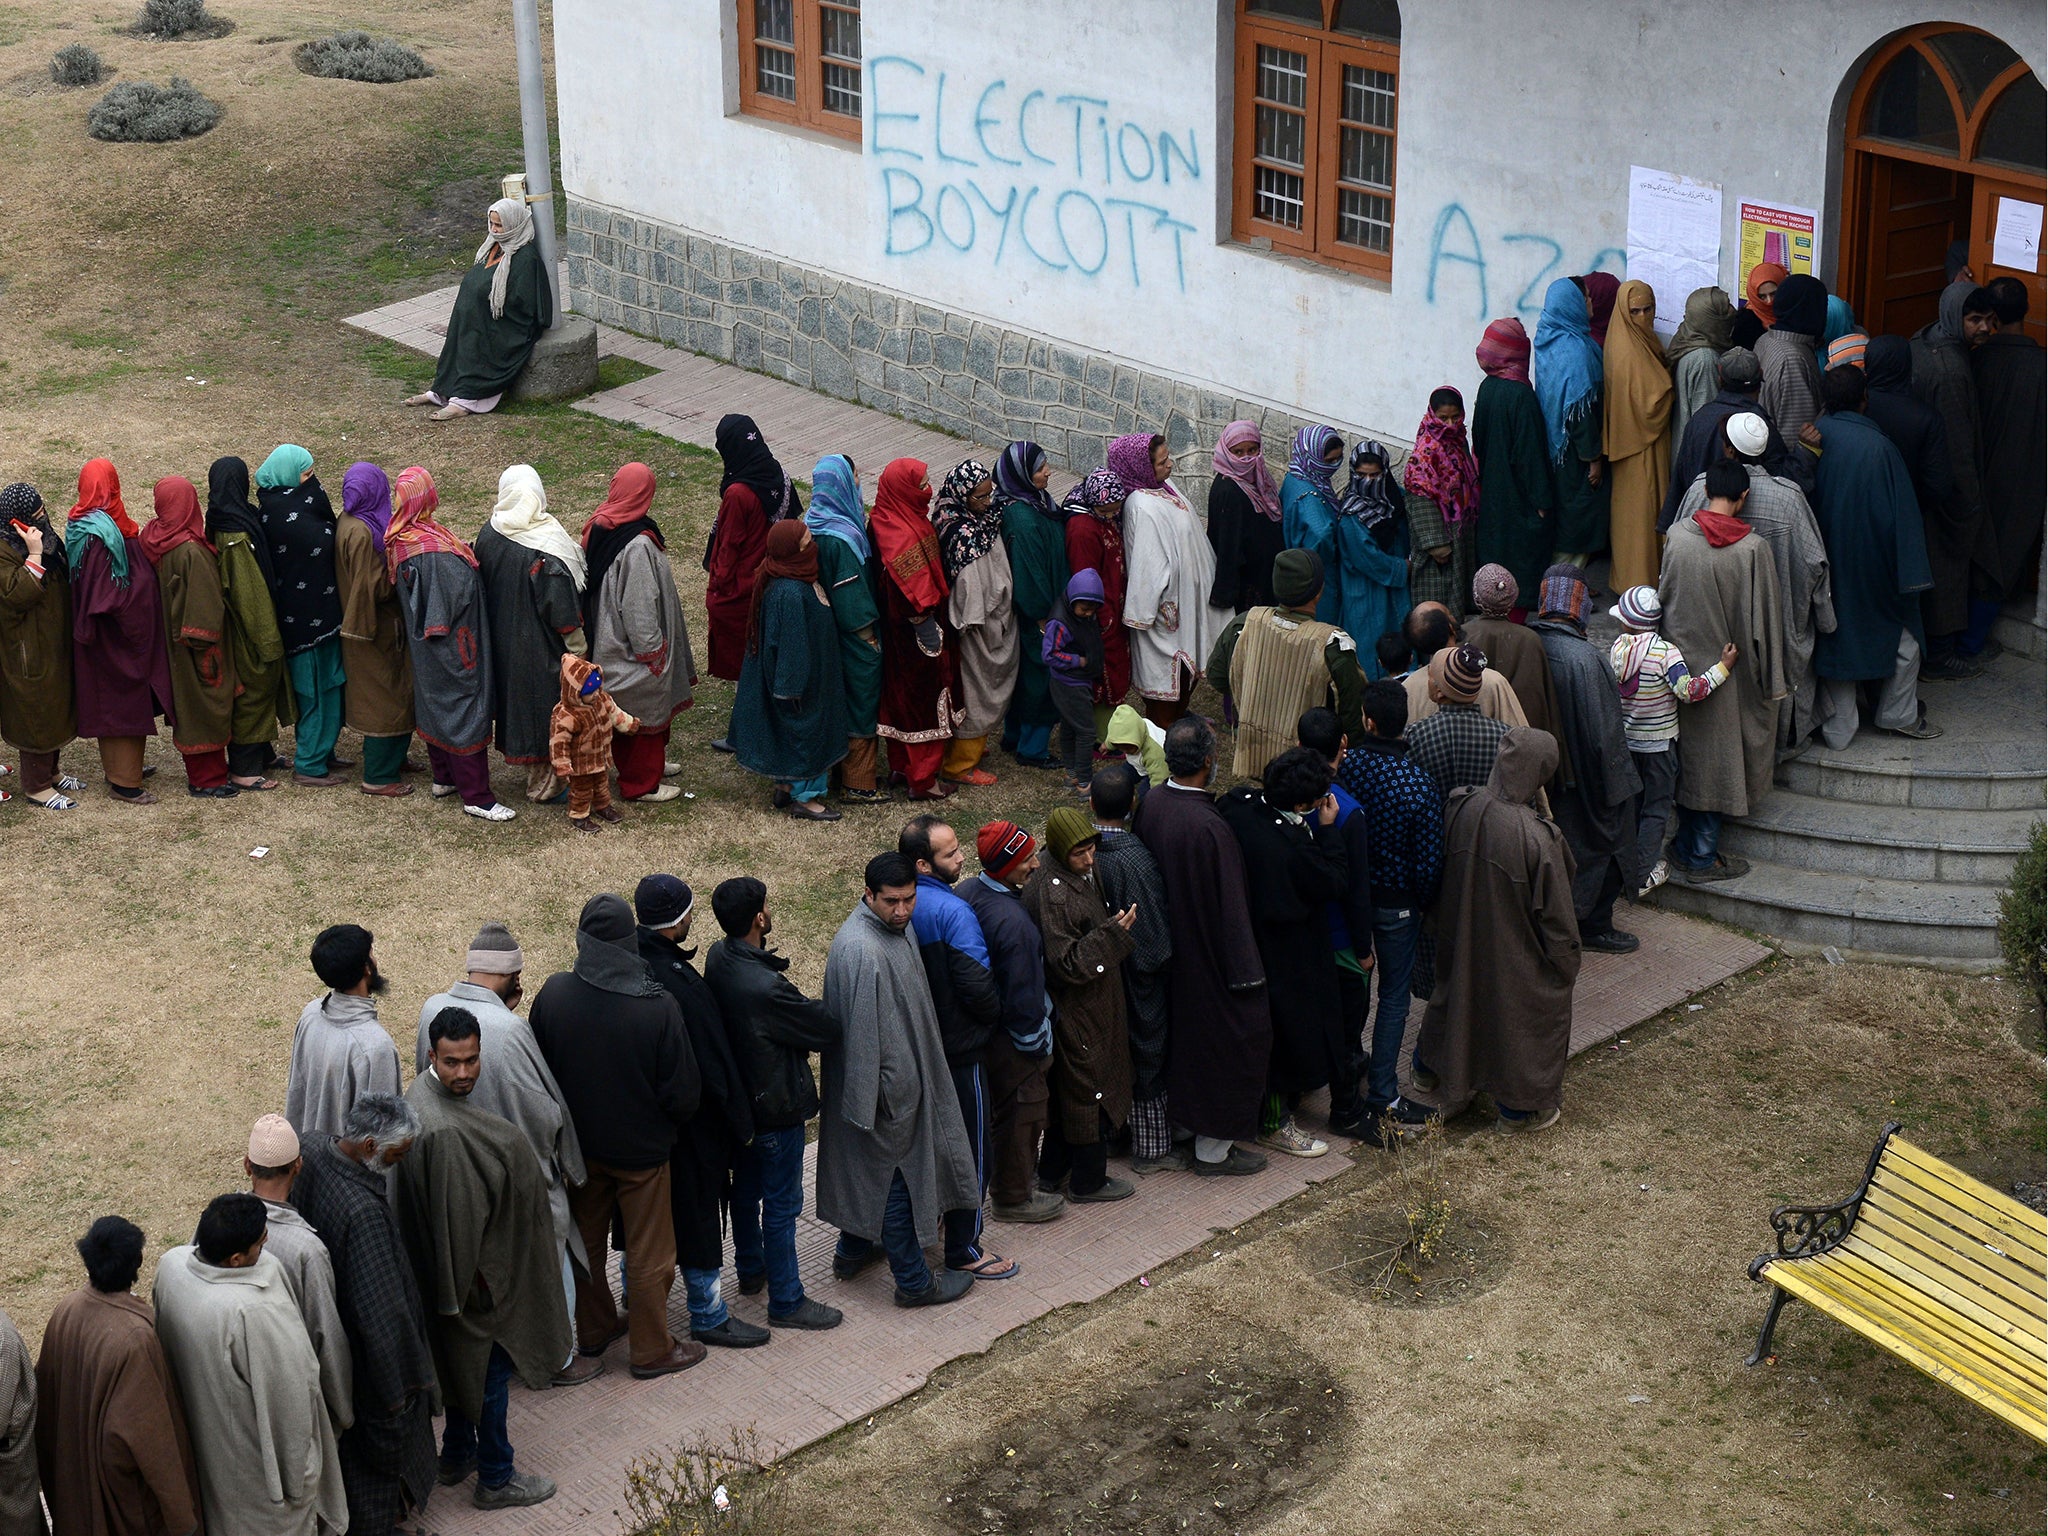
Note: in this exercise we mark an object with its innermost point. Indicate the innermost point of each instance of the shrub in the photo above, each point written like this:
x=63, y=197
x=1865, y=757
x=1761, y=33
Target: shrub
x=140, y=113
x=682, y=1490
x=2023, y=915
x=179, y=18
x=77, y=65
x=359, y=56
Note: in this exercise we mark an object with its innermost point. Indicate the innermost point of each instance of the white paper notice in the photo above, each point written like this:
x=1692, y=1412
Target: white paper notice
x=1674, y=238
x=2016, y=239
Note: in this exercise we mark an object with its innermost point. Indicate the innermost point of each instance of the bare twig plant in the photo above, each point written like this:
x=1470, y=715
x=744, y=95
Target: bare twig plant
x=705, y=1490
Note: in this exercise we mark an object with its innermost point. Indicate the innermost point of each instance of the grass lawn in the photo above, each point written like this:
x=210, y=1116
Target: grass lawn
x=167, y=304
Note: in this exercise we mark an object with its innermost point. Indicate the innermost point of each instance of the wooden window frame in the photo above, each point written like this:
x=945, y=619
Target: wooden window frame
x=808, y=110
x=1328, y=53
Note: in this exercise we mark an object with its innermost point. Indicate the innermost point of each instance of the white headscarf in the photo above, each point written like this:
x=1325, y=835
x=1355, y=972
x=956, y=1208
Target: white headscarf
x=522, y=516
x=518, y=222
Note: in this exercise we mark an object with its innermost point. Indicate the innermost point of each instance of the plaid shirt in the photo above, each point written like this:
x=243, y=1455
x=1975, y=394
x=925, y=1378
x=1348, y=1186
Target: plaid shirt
x=1456, y=746
x=1404, y=814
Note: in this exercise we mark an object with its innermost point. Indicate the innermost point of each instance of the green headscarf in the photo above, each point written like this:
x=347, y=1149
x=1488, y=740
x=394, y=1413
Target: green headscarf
x=287, y=464
x=1709, y=319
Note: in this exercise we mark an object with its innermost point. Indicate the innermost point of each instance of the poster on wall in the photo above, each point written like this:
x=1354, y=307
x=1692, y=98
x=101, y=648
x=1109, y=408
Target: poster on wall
x=1674, y=238
x=1776, y=232
x=2016, y=238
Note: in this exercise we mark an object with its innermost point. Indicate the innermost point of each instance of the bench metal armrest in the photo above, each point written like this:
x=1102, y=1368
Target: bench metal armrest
x=1805, y=1230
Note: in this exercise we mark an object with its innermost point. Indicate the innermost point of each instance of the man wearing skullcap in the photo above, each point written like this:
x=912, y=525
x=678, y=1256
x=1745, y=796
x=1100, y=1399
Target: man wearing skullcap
x=1429, y=628
x=1456, y=745
x=1704, y=441
x=1274, y=663
x=1511, y=651
x=1085, y=947
x=516, y=1083
x=272, y=1164
x=1020, y=1053
x=1595, y=791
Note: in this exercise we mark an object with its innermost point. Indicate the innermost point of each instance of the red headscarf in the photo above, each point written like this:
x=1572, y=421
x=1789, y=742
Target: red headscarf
x=1442, y=468
x=177, y=520
x=1503, y=352
x=1764, y=272
x=790, y=553
x=632, y=493
x=904, y=536
x=413, y=530
x=1601, y=288
x=99, y=490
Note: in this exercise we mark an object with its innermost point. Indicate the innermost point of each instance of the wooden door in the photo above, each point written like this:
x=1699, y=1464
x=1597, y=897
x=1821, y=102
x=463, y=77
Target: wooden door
x=1913, y=211
x=1984, y=224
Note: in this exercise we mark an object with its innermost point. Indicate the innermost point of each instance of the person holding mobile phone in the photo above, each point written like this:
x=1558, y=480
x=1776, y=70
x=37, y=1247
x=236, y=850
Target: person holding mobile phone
x=36, y=713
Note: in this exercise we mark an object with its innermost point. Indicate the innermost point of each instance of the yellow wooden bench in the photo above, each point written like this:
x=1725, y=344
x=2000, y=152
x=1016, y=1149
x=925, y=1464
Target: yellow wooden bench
x=1946, y=1273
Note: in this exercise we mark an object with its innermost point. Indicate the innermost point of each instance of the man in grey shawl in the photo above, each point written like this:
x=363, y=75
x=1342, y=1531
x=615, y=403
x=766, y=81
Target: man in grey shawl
x=1778, y=509
x=21, y=1486
x=473, y=1211
x=387, y=1456
x=272, y=1164
x=1597, y=790
x=515, y=1082
x=1958, y=547
x=339, y=1051
x=892, y=1149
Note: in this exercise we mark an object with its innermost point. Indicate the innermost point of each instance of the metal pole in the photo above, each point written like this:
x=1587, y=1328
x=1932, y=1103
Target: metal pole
x=533, y=126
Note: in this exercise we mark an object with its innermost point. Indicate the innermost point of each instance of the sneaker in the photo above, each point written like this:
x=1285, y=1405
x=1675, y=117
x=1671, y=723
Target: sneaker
x=491, y=812
x=521, y=1489
x=846, y=1269
x=947, y=1285
x=1294, y=1141
x=1542, y=1120
x=1723, y=868
x=450, y=1473
x=1112, y=1189
x=814, y=1316
x=657, y=795
x=1425, y=1079
x=1175, y=1160
x=732, y=1334
x=1949, y=669
x=1042, y=1206
x=1613, y=941
x=1404, y=1117
x=1238, y=1163
x=1655, y=878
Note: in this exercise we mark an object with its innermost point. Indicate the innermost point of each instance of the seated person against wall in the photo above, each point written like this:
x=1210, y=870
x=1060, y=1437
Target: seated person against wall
x=501, y=309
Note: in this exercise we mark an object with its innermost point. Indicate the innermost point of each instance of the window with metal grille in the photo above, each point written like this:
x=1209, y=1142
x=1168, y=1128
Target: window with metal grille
x=800, y=62
x=1317, y=91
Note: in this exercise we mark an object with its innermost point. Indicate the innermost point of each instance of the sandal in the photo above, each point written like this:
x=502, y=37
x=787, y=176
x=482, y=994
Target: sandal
x=56, y=802
x=255, y=784
x=990, y=1266
x=70, y=783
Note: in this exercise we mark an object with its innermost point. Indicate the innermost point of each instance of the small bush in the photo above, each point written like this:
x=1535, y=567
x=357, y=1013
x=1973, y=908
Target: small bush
x=2023, y=916
x=682, y=1490
x=359, y=56
x=179, y=18
x=77, y=65
x=140, y=113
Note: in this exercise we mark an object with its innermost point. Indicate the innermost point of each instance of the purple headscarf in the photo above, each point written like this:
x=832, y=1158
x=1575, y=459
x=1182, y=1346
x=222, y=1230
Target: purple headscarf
x=1251, y=474
x=1020, y=461
x=1102, y=488
x=1131, y=458
x=366, y=496
x=1310, y=444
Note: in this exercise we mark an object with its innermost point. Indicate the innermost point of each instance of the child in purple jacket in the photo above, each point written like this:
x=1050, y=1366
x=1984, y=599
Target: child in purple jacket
x=1072, y=650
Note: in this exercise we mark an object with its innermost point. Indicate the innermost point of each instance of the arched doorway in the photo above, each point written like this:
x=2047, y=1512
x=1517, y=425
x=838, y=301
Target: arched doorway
x=1945, y=121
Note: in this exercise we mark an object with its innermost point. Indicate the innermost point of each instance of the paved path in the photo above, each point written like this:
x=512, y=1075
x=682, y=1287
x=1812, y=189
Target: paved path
x=802, y=1387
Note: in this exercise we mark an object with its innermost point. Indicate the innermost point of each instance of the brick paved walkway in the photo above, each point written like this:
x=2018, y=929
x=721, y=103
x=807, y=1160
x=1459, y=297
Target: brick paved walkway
x=803, y=1386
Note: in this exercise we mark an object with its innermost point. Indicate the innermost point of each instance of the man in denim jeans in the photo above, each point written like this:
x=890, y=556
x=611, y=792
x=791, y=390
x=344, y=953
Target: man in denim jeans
x=1405, y=827
x=775, y=1028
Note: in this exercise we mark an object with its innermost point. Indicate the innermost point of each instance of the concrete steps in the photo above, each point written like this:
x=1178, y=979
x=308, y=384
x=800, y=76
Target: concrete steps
x=1899, y=849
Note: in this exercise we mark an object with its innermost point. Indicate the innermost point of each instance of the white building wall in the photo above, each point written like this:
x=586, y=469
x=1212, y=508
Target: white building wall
x=1518, y=122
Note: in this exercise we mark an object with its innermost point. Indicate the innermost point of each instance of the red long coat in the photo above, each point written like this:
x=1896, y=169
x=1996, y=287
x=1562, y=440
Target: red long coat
x=1093, y=545
x=120, y=663
x=739, y=540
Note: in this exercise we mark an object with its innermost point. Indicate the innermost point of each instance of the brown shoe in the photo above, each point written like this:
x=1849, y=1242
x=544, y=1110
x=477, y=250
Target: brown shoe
x=609, y=813
x=592, y=1351
x=140, y=797
x=319, y=781
x=585, y=824
x=577, y=1372
x=686, y=1354
x=393, y=791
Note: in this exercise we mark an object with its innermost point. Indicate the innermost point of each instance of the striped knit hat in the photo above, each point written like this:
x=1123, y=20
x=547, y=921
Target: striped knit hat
x=1563, y=594
x=1003, y=846
x=1847, y=351
x=1495, y=590
x=1639, y=609
x=1456, y=673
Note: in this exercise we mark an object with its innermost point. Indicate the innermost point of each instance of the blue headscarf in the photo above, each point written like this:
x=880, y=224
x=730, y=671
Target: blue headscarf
x=1841, y=322
x=287, y=463
x=835, y=510
x=1566, y=364
x=1310, y=444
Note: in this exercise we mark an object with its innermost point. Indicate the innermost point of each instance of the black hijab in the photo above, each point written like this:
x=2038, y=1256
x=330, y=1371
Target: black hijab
x=748, y=462
x=1888, y=363
x=1801, y=305
x=22, y=503
x=228, y=511
x=1745, y=328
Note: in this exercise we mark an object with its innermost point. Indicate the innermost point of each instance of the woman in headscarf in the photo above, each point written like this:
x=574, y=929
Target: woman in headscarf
x=120, y=665
x=1171, y=573
x=1788, y=355
x=1840, y=322
x=1372, y=548
x=1637, y=436
x=1516, y=491
x=374, y=652
x=839, y=525
x=1308, y=510
x=255, y=643
x=501, y=309
x=1601, y=290
x=1035, y=534
x=1441, y=479
x=980, y=615
x=1760, y=289
x=1095, y=542
x=298, y=525
x=789, y=712
x=1694, y=353
x=917, y=713
x=436, y=577
x=533, y=576
x=633, y=619
x=1244, y=519
x=36, y=712
x=195, y=631
x=1568, y=383
x=753, y=494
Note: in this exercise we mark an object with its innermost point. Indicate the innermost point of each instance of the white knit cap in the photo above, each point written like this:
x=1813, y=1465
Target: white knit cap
x=1748, y=435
